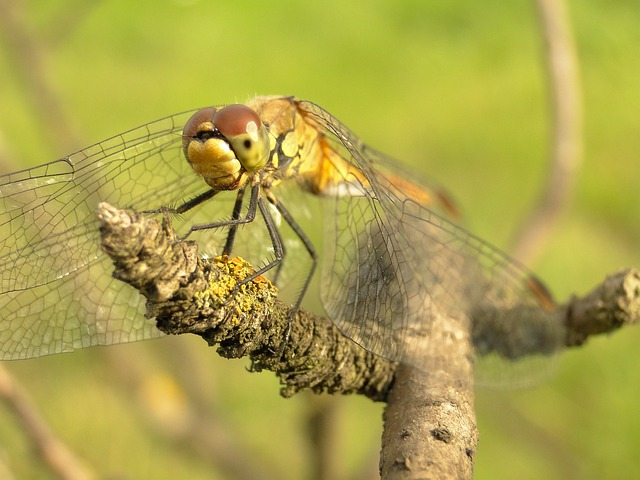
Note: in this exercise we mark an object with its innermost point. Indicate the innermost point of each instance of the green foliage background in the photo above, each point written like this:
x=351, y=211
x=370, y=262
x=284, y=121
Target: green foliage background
x=457, y=89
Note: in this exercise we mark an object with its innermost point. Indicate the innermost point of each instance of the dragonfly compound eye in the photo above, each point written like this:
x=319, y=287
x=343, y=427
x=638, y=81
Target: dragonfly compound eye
x=243, y=129
x=209, y=153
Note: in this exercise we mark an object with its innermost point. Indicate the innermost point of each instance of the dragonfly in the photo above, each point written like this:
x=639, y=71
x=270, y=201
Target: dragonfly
x=393, y=254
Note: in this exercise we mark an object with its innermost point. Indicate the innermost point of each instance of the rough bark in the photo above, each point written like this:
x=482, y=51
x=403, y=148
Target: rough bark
x=207, y=297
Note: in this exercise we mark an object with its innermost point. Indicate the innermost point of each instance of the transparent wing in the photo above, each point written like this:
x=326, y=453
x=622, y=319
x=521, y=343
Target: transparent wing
x=391, y=264
x=57, y=293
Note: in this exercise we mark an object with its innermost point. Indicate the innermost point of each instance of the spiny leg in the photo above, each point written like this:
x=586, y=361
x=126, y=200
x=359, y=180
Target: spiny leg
x=233, y=222
x=276, y=242
x=194, y=202
x=231, y=236
x=186, y=206
x=310, y=250
x=308, y=245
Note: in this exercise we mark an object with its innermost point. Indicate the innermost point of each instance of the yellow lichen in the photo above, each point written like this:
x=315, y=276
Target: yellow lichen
x=220, y=288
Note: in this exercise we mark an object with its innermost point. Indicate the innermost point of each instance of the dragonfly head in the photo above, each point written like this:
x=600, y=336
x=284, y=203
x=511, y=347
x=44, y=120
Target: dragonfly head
x=222, y=144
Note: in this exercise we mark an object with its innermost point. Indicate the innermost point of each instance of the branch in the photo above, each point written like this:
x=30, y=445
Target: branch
x=189, y=294
x=429, y=421
x=565, y=148
x=29, y=61
x=611, y=305
x=53, y=451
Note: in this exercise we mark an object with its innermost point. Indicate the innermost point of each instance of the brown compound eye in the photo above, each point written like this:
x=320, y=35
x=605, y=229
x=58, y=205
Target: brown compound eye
x=196, y=123
x=235, y=120
x=246, y=134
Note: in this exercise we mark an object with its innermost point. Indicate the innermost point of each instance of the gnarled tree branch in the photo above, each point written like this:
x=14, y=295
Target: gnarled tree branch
x=189, y=294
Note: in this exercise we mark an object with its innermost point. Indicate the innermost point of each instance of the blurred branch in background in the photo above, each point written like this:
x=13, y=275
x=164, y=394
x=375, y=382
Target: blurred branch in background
x=29, y=56
x=565, y=146
x=323, y=417
x=52, y=450
x=68, y=18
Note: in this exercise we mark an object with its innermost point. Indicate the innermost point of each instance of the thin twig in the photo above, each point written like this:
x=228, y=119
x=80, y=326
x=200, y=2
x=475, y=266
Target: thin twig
x=54, y=453
x=322, y=425
x=64, y=23
x=566, y=137
x=29, y=64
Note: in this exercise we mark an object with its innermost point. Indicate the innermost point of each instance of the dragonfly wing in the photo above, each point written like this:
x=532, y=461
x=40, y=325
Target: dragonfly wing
x=85, y=308
x=57, y=292
x=391, y=264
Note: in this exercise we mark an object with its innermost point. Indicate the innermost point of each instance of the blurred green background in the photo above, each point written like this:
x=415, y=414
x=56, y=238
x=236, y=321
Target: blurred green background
x=458, y=90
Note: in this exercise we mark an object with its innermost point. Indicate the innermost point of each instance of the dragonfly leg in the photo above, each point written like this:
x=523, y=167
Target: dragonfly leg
x=255, y=202
x=308, y=245
x=235, y=221
x=186, y=206
x=276, y=242
x=235, y=216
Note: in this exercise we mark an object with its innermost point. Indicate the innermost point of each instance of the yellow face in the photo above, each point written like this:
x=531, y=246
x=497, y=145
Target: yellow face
x=223, y=145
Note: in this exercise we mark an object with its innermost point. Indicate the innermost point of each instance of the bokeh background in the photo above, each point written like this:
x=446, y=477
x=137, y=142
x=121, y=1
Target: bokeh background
x=455, y=89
